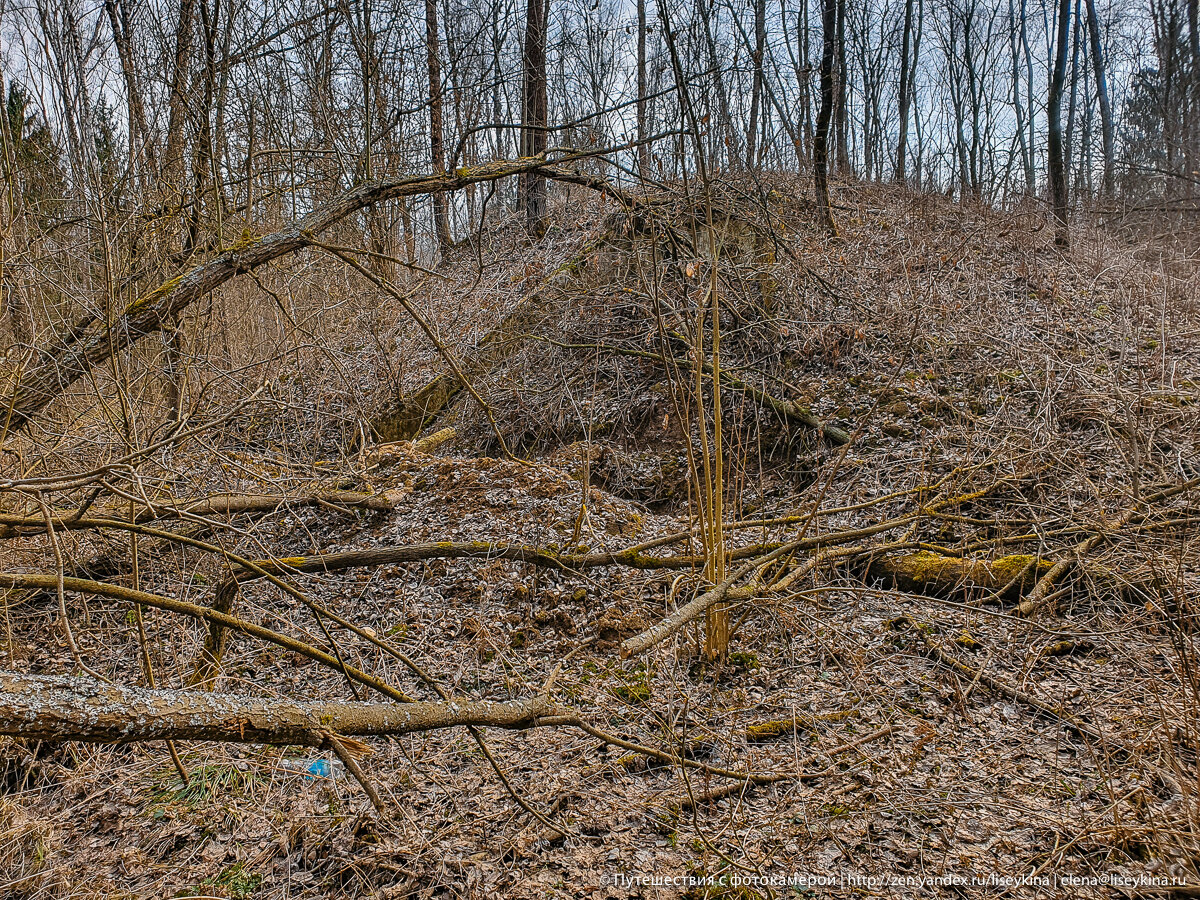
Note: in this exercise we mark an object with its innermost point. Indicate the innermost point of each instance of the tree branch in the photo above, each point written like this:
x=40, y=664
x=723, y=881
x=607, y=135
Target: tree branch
x=59, y=708
x=95, y=342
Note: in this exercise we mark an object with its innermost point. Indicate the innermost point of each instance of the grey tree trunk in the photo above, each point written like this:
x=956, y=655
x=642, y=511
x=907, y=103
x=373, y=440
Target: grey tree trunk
x=1106, y=120
x=1057, y=166
x=824, y=114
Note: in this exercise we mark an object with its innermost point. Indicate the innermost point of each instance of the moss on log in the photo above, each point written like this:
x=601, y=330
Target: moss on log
x=928, y=572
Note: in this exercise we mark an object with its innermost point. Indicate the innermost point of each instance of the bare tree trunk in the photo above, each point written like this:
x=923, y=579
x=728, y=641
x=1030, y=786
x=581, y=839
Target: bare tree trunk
x=57, y=708
x=756, y=90
x=437, y=152
x=1058, y=174
x=804, y=76
x=728, y=137
x=140, y=147
x=1073, y=95
x=824, y=114
x=1106, y=121
x=643, y=150
x=841, y=92
x=20, y=322
x=1193, y=115
x=1018, y=107
x=177, y=103
x=534, y=115
x=1031, y=143
x=905, y=93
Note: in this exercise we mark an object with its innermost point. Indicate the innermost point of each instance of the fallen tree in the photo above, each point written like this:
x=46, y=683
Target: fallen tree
x=14, y=525
x=92, y=342
x=60, y=708
x=926, y=571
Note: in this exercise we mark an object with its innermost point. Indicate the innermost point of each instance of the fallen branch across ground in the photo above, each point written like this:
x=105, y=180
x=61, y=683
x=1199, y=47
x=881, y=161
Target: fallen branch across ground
x=92, y=341
x=59, y=708
x=1044, y=589
x=15, y=524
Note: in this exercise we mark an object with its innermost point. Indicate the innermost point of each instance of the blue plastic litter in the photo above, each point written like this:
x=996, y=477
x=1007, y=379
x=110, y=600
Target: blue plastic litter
x=315, y=768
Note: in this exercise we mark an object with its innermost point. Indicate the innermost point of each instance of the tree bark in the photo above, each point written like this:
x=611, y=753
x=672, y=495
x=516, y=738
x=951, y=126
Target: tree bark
x=1106, y=121
x=1057, y=166
x=437, y=151
x=58, y=708
x=140, y=149
x=905, y=93
x=643, y=151
x=534, y=115
x=841, y=95
x=756, y=90
x=1018, y=107
x=824, y=114
x=173, y=157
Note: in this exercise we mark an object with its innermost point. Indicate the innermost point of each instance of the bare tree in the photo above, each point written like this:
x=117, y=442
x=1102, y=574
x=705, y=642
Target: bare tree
x=1057, y=164
x=1106, y=119
x=760, y=40
x=534, y=114
x=437, y=151
x=829, y=18
x=643, y=150
x=905, y=91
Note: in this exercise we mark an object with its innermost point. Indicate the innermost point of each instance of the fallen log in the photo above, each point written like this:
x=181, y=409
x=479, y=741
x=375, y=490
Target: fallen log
x=928, y=572
x=59, y=708
x=93, y=341
x=17, y=524
x=1043, y=591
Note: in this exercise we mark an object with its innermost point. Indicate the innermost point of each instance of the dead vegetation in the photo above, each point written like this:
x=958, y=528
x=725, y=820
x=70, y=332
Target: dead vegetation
x=956, y=534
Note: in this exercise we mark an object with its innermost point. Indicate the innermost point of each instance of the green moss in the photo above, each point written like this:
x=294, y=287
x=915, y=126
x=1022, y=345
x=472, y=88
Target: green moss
x=635, y=694
x=967, y=640
x=635, y=686
x=148, y=300
x=246, y=239
x=746, y=661
x=766, y=731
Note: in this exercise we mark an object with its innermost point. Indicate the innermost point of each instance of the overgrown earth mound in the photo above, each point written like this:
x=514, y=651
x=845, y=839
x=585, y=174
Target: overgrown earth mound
x=957, y=485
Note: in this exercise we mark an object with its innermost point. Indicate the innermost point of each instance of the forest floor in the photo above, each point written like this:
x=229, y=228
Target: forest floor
x=966, y=357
